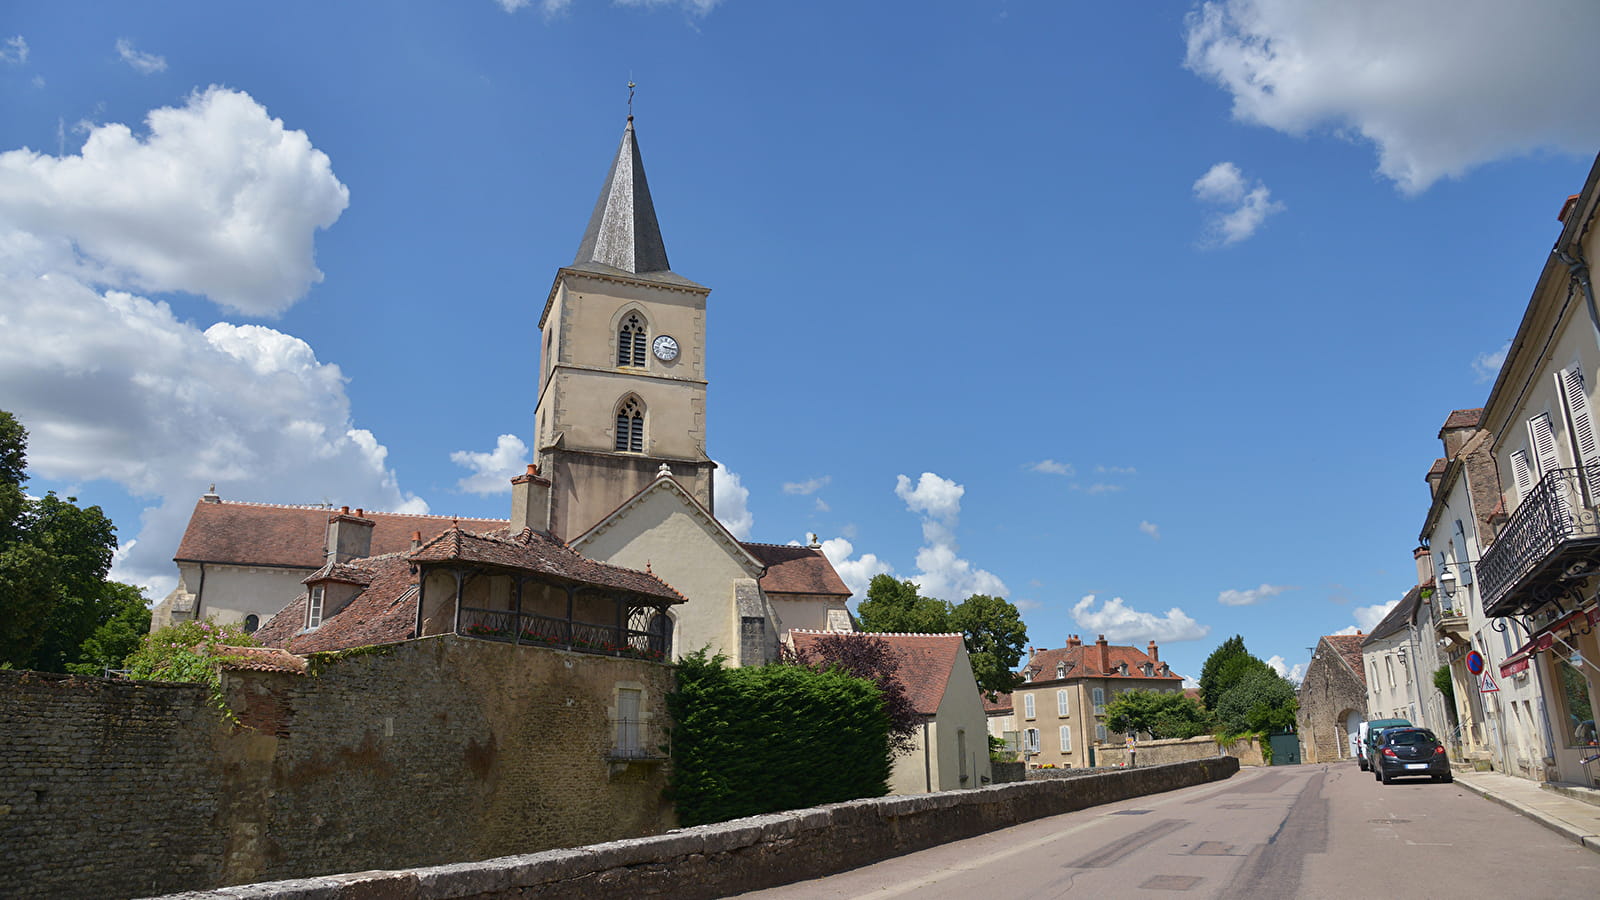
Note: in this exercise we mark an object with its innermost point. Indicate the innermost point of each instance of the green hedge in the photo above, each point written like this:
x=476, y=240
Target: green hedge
x=769, y=738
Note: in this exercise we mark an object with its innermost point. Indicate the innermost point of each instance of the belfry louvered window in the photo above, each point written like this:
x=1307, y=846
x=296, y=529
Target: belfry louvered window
x=631, y=342
x=630, y=426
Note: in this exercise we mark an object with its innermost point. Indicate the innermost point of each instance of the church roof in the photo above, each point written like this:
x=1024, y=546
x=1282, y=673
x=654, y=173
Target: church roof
x=926, y=661
x=623, y=232
x=264, y=534
x=535, y=551
x=796, y=570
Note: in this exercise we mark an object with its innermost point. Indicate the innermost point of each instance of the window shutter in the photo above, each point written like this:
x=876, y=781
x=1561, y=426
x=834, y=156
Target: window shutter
x=1577, y=401
x=1544, y=444
x=1464, y=568
x=1521, y=472
x=1066, y=739
x=1027, y=705
x=1061, y=703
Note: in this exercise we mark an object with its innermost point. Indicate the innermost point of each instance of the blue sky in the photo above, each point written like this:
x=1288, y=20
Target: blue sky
x=1146, y=320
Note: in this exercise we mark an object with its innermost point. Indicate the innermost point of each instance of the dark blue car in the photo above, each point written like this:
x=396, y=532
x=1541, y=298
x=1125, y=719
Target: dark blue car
x=1410, y=752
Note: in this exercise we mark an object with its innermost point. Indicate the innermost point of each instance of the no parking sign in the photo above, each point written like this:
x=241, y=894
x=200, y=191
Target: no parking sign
x=1475, y=663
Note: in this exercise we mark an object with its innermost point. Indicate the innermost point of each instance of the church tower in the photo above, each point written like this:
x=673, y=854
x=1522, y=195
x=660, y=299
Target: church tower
x=622, y=369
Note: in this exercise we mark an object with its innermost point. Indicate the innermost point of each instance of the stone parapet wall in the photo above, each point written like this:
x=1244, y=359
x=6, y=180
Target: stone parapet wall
x=1158, y=753
x=753, y=853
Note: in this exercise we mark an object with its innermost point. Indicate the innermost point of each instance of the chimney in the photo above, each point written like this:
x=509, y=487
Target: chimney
x=1155, y=656
x=530, y=501
x=211, y=496
x=1435, y=476
x=349, y=536
x=1103, y=655
x=1073, y=643
x=416, y=539
x=1424, y=565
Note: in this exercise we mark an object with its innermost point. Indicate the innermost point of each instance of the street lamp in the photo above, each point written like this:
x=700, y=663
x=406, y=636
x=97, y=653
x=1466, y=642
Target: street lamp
x=1447, y=584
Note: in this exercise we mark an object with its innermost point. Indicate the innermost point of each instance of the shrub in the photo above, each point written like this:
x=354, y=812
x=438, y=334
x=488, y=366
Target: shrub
x=189, y=651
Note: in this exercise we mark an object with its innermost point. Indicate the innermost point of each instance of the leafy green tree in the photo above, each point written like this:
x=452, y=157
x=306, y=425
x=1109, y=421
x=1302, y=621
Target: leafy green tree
x=54, y=556
x=124, y=622
x=995, y=638
x=1158, y=714
x=991, y=627
x=1224, y=668
x=1261, y=700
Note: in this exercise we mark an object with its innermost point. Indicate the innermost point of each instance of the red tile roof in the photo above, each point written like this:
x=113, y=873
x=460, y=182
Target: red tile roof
x=535, y=551
x=797, y=570
x=382, y=613
x=926, y=661
x=263, y=659
x=1463, y=418
x=1082, y=661
x=999, y=706
x=261, y=534
x=1348, y=646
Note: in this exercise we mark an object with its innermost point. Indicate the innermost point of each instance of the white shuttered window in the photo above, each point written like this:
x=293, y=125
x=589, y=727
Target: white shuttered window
x=1027, y=706
x=1522, y=472
x=1066, y=739
x=1061, y=704
x=1544, y=444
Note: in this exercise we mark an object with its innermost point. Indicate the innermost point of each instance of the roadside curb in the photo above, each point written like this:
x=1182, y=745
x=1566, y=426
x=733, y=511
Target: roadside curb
x=1559, y=826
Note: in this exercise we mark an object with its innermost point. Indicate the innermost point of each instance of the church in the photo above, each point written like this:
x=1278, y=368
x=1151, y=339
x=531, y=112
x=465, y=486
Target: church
x=612, y=540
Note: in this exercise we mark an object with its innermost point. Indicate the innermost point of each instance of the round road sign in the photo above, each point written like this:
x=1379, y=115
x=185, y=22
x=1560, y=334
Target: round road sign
x=1475, y=663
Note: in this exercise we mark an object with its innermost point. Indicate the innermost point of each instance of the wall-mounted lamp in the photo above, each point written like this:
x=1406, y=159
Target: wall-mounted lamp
x=1447, y=584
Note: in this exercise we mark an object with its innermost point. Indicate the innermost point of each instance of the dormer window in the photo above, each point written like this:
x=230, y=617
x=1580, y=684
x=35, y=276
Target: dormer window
x=1061, y=670
x=314, y=608
x=1148, y=669
x=631, y=342
x=1122, y=668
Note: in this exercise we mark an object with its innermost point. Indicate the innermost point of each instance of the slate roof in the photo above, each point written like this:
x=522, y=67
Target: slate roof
x=1082, y=662
x=535, y=551
x=1438, y=467
x=926, y=661
x=623, y=231
x=382, y=613
x=1348, y=646
x=263, y=534
x=797, y=570
x=1399, y=617
x=1462, y=418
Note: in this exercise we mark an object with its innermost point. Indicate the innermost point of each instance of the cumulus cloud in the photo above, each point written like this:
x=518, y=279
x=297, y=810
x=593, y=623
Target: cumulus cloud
x=1252, y=596
x=822, y=506
x=1245, y=205
x=143, y=63
x=1115, y=470
x=492, y=471
x=219, y=200
x=1486, y=366
x=1120, y=622
x=1051, y=467
x=1279, y=665
x=1151, y=529
x=1368, y=617
x=942, y=572
x=112, y=385
x=551, y=7
x=1436, y=86
x=857, y=571
x=804, y=488
x=732, y=502
x=14, y=50
x=1103, y=488
x=1349, y=629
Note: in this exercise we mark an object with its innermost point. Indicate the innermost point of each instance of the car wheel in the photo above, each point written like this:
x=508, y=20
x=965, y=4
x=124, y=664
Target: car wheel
x=1362, y=763
x=1447, y=777
x=1383, y=777
x=1376, y=776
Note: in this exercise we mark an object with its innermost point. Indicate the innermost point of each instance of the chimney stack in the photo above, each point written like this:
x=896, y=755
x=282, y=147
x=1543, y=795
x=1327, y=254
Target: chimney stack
x=1424, y=565
x=530, y=501
x=1102, y=653
x=349, y=536
x=416, y=539
x=1073, y=643
x=1154, y=653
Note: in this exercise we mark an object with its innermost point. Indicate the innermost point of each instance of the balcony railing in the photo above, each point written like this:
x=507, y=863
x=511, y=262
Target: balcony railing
x=637, y=739
x=561, y=634
x=1555, y=523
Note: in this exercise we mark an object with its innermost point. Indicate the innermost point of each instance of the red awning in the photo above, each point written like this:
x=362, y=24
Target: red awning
x=1544, y=640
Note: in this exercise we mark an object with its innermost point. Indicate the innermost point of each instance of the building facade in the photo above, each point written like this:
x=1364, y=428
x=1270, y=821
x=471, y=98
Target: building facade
x=1333, y=699
x=1060, y=707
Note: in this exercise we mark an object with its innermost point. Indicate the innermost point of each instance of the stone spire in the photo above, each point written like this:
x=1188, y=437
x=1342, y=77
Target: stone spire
x=623, y=232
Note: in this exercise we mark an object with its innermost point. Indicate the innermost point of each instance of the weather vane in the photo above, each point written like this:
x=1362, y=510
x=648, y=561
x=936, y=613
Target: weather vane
x=631, y=86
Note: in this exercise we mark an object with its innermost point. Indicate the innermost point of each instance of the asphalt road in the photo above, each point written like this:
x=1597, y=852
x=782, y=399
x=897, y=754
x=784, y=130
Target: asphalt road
x=1307, y=831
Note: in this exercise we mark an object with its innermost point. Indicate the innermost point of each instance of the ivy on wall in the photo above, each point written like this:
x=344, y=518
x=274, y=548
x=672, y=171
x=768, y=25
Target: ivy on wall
x=763, y=739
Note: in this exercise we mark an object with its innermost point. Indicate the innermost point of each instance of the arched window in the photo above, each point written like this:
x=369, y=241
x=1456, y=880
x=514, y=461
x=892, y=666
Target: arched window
x=251, y=623
x=631, y=341
x=630, y=426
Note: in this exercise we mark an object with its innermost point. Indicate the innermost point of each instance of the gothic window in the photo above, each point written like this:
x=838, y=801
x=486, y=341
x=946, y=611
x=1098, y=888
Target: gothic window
x=630, y=426
x=631, y=342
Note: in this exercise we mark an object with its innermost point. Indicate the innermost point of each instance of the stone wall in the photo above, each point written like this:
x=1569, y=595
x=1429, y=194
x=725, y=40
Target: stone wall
x=1157, y=753
x=412, y=754
x=1329, y=692
x=754, y=853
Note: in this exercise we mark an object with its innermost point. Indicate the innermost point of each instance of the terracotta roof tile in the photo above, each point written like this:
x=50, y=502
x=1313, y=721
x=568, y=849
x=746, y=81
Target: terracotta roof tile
x=263, y=659
x=1463, y=418
x=1438, y=467
x=261, y=534
x=926, y=661
x=1000, y=705
x=1082, y=662
x=797, y=570
x=535, y=551
x=1348, y=646
x=383, y=613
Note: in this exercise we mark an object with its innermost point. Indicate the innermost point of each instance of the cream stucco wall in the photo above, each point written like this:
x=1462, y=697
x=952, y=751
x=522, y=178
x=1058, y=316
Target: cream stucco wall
x=958, y=729
x=808, y=612
x=228, y=593
x=663, y=532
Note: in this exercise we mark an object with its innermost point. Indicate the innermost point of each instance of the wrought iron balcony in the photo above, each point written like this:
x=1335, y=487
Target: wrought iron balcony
x=1554, y=528
x=564, y=634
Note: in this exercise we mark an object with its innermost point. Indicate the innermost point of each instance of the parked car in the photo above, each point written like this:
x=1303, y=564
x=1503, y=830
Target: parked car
x=1369, y=735
x=1407, y=752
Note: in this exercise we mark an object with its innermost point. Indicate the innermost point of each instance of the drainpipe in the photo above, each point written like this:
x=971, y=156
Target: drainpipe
x=1579, y=269
x=927, y=761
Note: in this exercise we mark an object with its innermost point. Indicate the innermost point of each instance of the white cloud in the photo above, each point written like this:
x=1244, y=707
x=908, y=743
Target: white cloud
x=1115, y=470
x=113, y=386
x=1350, y=629
x=1191, y=684
x=1051, y=467
x=942, y=573
x=14, y=50
x=1279, y=665
x=1120, y=622
x=1437, y=86
x=732, y=502
x=804, y=488
x=492, y=471
x=1151, y=529
x=1486, y=366
x=218, y=200
x=1102, y=488
x=822, y=506
x=1246, y=205
x=1367, y=617
x=1252, y=596
x=551, y=7
x=857, y=571
x=143, y=63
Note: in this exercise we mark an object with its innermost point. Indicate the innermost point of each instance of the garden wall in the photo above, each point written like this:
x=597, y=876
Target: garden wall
x=753, y=853
x=411, y=754
x=1155, y=753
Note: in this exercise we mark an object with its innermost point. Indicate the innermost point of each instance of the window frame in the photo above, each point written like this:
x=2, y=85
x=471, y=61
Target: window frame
x=314, y=605
x=1066, y=739
x=1063, y=704
x=1027, y=706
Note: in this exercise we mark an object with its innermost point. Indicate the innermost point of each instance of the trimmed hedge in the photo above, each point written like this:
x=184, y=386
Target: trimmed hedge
x=765, y=739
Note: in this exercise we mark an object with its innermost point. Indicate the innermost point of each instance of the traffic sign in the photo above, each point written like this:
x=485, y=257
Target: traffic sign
x=1475, y=663
x=1487, y=685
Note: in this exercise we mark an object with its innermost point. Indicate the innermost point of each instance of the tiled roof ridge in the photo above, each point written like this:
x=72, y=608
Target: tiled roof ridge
x=333, y=509
x=783, y=546
x=882, y=633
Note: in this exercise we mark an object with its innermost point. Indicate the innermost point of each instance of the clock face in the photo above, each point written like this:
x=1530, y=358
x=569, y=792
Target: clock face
x=666, y=348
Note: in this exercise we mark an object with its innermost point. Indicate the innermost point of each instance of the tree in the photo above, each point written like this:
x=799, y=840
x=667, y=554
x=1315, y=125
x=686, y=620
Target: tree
x=1158, y=714
x=991, y=627
x=874, y=660
x=54, y=556
x=1262, y=700
x=124, y=620
x=995, y=637
x=1224, y=668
